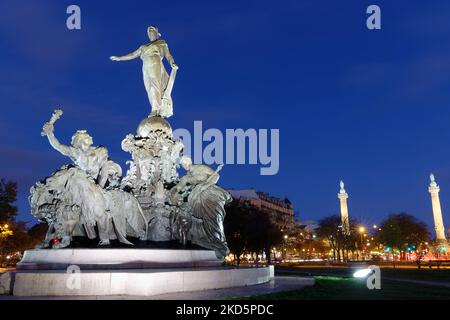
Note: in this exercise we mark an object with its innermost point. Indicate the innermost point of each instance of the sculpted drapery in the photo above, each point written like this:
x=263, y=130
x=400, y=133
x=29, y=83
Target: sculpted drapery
x=156, y=79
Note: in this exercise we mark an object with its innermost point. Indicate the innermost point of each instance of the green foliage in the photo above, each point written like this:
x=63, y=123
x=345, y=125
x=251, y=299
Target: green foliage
x=235, y=226
x=15, y=237
x=330, y=228
x=8, y=195
x=37, y=232
x=401, y=230
x=18, y=241
x=249, y=230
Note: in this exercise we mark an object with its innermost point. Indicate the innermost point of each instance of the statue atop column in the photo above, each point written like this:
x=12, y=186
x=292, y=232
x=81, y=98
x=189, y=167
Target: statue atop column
x=432, y=180
x=156, y=80
x=341, y=184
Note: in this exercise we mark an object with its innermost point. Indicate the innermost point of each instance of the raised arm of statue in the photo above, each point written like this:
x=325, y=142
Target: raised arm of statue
x=212, y=179
x=47, y=130
x=54, y=142
x=130, y=56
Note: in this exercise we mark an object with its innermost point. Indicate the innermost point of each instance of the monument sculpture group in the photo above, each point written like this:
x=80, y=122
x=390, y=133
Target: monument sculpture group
x=91, y=198
x=147, y=231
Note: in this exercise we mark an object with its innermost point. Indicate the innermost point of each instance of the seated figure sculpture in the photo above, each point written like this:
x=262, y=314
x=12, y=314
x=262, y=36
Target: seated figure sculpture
x=206, y=201
x=79, y=197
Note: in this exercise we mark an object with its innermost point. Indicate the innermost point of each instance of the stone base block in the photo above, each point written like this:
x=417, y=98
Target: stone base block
x=139, y=282
x=60, y=259
x=6, y=280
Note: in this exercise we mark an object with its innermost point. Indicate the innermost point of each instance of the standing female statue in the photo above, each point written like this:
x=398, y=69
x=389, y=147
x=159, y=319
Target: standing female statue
x=156, y=80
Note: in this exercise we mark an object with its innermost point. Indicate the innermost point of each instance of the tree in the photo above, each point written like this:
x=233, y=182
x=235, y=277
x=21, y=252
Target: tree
x=18, y=241
x=14, y=235
x=8, y=195
x=402, y=231
x=269, y=233
x=327, y=229
x=250, y=230
x=37, y=233
x=330, y=228
x=235, y=227
x=8, y=212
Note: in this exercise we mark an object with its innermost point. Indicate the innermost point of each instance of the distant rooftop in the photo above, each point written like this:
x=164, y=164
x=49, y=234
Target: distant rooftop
x=248, y=194
x=243, y=194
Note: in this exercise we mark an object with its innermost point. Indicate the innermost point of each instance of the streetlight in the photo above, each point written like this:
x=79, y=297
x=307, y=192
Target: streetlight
x=5, y=231
x=274, y=250
x=361, y=232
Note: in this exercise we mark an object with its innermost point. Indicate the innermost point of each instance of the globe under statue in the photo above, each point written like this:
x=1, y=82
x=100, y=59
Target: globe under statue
x=148, y=218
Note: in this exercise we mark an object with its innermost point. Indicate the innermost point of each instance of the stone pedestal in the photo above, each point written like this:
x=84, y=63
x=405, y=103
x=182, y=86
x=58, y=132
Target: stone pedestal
x=146, y=282
x=136, y=272
x=60, y=259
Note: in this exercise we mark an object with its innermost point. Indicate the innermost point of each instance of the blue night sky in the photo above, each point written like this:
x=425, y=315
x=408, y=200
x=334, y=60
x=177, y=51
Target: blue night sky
x=369, y=107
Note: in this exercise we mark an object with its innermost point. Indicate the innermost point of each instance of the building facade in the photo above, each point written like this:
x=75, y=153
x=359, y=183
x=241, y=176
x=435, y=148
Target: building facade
x=280, y=210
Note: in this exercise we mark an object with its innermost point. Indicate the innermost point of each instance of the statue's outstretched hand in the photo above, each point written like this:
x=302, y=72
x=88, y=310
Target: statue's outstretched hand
x=114, y=58
x=47, y=129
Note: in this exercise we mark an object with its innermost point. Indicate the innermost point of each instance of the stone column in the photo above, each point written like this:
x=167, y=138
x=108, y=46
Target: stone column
x=437, y=213
x=343, y=196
